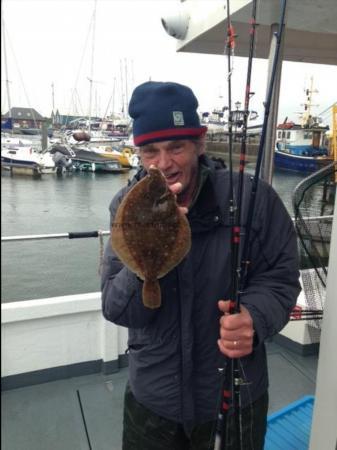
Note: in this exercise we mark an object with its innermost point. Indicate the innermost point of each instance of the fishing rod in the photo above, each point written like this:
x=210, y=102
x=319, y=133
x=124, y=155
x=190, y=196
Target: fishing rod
x=230, y=391
x=230, y=46
x=245, y=253
x=306, y=314
x=235, y=381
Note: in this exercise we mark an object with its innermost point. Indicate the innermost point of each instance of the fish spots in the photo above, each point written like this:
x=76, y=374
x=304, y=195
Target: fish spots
x=149, y=233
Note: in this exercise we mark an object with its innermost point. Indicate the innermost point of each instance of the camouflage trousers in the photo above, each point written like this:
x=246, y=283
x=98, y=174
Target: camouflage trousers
x=144, y=430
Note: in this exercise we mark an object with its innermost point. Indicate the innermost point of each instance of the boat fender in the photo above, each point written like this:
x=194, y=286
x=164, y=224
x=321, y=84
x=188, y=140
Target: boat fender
x=81, y=136
x=126, y=152
x=286, y=125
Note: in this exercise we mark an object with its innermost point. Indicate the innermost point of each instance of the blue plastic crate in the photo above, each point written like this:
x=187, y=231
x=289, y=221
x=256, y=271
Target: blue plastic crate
x=289, y=428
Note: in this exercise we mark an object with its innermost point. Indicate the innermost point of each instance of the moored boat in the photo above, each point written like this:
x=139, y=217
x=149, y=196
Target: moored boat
x=301, y=148
x=8, y=141
x=125, y=155
x=88, y=159
x=27, y=161
x=107, y=148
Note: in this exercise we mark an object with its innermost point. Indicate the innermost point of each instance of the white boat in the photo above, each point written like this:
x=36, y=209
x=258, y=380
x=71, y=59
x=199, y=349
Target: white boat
x=8, y=141
x=102, y=155
x=26, y=160
x=94, y=137
x=124, y=154
x=109, y=148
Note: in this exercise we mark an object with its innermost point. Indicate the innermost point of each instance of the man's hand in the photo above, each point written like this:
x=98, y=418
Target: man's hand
x=236, y=332
x=176, y=188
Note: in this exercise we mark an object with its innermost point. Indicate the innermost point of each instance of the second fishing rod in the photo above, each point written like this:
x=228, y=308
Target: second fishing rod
x=230, y=399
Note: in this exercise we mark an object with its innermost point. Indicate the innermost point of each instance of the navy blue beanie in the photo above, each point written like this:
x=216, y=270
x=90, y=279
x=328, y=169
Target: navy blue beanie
x=164, y=111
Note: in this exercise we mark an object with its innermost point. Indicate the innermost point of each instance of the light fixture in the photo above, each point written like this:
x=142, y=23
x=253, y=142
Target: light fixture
x=176, y=23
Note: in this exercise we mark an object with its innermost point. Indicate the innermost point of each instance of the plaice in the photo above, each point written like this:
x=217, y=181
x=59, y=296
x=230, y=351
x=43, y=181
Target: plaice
x=149, y=234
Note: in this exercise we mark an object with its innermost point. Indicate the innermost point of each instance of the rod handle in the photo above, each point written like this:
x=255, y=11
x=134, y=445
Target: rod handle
x=83, y=234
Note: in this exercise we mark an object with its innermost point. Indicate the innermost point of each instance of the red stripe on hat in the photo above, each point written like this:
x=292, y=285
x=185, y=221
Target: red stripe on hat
x=171, y=132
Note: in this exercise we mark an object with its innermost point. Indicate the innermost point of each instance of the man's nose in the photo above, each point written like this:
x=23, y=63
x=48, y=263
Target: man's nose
x=164, y=160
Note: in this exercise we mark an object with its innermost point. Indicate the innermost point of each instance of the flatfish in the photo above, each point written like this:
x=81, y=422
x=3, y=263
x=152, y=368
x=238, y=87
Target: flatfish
x=149, y=234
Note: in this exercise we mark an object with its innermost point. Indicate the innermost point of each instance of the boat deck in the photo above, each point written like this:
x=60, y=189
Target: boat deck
x=86, y=412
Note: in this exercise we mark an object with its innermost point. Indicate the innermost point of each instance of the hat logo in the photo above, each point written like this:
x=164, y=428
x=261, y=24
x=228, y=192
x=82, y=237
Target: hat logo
x=178, y=118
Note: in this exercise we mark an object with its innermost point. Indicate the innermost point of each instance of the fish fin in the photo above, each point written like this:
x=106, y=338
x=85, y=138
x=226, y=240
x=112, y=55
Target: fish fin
x=151, y=294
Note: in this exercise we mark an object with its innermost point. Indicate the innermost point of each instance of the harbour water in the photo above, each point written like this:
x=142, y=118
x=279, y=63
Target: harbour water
x=73, y=202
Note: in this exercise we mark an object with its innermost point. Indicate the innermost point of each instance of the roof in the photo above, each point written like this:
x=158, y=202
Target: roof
x=24, y=114
x=311, y=32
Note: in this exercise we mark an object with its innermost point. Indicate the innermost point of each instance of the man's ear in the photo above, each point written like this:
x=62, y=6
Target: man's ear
x=202, y=144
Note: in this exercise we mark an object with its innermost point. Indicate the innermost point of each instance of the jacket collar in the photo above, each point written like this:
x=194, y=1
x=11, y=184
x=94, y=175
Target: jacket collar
x=205, y=213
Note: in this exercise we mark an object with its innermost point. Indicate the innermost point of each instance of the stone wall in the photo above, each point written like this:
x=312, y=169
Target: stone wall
x=220, y=150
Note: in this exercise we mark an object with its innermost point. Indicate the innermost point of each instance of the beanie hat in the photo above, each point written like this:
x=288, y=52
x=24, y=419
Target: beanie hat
x=163, y=111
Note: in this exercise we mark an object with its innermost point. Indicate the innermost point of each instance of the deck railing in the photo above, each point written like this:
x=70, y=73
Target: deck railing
x=99, y=233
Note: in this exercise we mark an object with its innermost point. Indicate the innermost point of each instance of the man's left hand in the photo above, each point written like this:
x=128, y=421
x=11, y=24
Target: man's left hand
x=236, y=331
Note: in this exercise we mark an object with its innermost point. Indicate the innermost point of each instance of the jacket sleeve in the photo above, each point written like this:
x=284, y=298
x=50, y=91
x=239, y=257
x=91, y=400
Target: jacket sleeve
x=273, y=278
x=121, y=289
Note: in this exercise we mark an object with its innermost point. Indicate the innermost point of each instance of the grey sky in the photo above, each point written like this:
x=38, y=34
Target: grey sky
x=50, y=42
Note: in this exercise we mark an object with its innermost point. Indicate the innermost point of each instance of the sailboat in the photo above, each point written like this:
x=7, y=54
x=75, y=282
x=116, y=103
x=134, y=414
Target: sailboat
x=19, y=155
x=94, y=149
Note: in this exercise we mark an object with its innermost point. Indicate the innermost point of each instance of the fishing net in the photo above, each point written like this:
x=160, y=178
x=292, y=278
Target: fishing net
x=313, y=203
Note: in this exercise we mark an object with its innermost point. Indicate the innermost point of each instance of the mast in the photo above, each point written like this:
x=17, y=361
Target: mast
x=122, y=88
x=92, y=63
x=53, y=101
x=306, y=116
x=113, y=97
x=126, y=88
x=6, y=64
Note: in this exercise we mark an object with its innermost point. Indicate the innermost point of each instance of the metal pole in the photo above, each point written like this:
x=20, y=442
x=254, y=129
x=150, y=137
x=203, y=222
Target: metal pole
x=324, y=430
x=39, y=237
x=267, y=168
x=44, y=136
x=96, y=233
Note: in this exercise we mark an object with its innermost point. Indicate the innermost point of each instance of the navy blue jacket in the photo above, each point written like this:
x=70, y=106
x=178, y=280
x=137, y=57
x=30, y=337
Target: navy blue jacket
x=173, y=352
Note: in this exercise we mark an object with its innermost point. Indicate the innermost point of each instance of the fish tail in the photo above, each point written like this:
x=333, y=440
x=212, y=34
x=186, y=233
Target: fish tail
x=151, y=294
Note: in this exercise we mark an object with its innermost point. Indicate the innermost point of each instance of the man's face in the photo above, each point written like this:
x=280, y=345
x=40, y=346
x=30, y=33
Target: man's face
x=178, y=160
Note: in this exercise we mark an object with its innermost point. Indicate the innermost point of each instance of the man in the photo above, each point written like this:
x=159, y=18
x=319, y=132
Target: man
x=175, y=351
